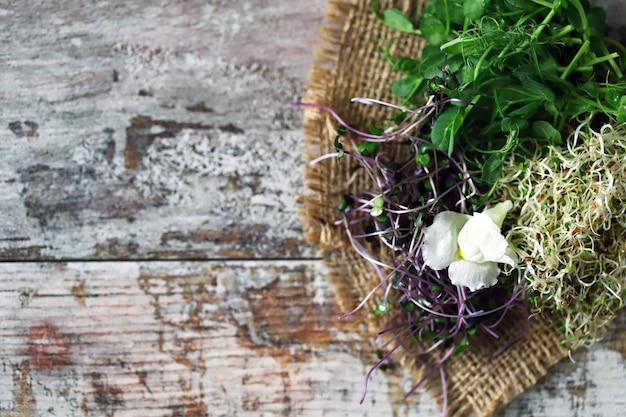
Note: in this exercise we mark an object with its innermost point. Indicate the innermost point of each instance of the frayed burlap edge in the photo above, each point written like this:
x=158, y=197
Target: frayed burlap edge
x=348, y=63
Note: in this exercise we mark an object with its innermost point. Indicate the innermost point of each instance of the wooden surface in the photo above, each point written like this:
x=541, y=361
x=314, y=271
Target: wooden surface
x=153, y=262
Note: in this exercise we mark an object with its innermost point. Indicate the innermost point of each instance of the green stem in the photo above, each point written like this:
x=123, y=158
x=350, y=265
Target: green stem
x=612, y=62
x=481, y=60
x=589, y=65
x=582, y=51
x=472, y=105
x=583, y=17
x=616, y=44
x=565, y=31
x=543, y=24
x=505, y=50
x=605, y=58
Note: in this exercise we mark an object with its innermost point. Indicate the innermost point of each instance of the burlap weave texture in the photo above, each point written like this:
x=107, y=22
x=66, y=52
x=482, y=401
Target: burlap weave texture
x=348, y=63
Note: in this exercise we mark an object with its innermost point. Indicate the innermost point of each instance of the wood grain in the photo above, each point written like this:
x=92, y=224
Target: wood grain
x=141, y=129
x=173, y=338
x=233, y=338
x=150, y=157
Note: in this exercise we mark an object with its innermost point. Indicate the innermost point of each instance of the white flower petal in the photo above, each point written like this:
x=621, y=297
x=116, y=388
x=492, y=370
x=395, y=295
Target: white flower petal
x=473, y=275
x=509, y=257
x=480, y=240
x=498, y=213
x=440, y=239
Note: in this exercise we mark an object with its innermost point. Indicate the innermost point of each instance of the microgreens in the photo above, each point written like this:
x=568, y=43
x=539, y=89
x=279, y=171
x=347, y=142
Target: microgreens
x=490, y=113
x=412, y=185
x=519, y=72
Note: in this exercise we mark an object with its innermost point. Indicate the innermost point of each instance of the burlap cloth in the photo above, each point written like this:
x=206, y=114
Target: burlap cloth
x=348, y=63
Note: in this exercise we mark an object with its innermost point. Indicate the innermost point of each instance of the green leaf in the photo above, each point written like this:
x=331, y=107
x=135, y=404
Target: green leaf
x=376, y=211
x=578, y=107
x=495, y=83
x=527, y=109
x=590, y=88
x=539, y=90
x=375, y=130
x=492, y=169
x=339, y=146
x=573, y=16
x=337, y=143
x=406, y=87
x=407, y=65
x=395, y=19
x=345, y=202
x=613, y=97
x=432, y=62
x=596, y=18
x=449, y=9
x=509, y=124
x=368, y=148
x=491, y=128
x=426, y=336
x=380, y=309
x=475, y=9
x=422, y=159
x=517, y=5
x=463, y=45
x=408, y=306
x=546, y=131
x=433, y=30
x=554, y=107
x=621, y=110
x=463, y=344
x=446, y=126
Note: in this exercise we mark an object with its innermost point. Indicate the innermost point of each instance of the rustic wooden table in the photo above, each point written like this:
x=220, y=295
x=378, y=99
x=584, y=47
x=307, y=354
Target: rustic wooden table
x=153, y=262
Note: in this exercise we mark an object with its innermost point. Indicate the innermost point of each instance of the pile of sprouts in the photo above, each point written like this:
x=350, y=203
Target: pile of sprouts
x=571, y=229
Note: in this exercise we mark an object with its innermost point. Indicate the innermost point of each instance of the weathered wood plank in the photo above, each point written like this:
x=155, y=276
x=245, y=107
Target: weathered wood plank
x=174, y=339
x=256, y=338
x=153, y=129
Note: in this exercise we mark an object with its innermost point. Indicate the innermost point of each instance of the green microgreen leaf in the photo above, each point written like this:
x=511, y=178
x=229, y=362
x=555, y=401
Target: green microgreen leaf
x=378, y=208
x=520, y=5
x=492, y=169
x=375, y=130
x=422, y=159
x=596, y=18
x=449, y=10
x=395, y=19
x=380, y=309
x=621, y=110
x=345, y=202
x=510, y=124
x=339, y=147
x=407, y=87
x=475, y=9
x=432, y=61
x=444, y=129
x=433, y=30
x=368, y=148
x=407, y=65
x=544, y=130
x=460, y=347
